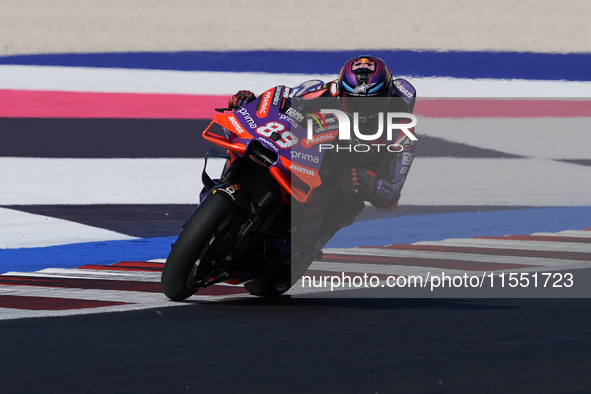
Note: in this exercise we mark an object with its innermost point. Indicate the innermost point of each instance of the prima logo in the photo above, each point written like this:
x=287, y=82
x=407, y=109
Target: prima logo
x=304, y=156
x=247, y=118
x=391, y=125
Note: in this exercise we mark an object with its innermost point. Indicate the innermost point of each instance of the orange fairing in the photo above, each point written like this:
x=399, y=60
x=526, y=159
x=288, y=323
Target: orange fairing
x=304, y=180
x=230, y=123
x=280, y=177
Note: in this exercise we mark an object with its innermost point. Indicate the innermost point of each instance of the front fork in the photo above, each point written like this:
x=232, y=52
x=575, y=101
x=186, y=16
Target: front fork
x=256, y=194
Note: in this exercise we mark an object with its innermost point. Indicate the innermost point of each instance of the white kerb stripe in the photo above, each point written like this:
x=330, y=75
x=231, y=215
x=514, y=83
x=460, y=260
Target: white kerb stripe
x=511, y=244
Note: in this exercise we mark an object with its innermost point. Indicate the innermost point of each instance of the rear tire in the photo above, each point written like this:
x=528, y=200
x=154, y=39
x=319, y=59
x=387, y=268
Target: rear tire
x=271, y=285
x=196, y=236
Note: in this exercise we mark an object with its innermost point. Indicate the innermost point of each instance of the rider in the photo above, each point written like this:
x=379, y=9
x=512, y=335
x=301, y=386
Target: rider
x=374, y=176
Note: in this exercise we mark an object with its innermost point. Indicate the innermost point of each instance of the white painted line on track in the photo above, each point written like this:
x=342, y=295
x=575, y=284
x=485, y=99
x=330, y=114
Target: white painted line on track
x=74, y=273
x=511, y=244
x=10, y=313
x=102, y=181
x=134, y=297
x=527, y=137
x=567, y=233
x=114, y=80
x=481, y=181
x=383, y=269
x=90, y=79
x=434, y=181
x=477, y=258
x=27, y=230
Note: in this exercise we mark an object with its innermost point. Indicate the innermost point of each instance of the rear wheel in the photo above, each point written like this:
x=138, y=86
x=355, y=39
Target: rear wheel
x=278, y=282
x=187, y=260
x=271, y=285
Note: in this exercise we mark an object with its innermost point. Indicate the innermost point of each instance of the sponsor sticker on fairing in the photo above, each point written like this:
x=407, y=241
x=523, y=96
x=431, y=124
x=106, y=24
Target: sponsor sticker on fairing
x=289, y=119
x=302, y=169
x=277, y=97
x=295, y=114
x=402, y=89
x=246, y=116
x=237, y=127
x=264, y=104
x=320, y=138
x=304, y=157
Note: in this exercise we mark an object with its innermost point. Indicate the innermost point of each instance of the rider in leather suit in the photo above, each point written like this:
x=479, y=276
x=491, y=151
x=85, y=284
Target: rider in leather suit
x=373, y=176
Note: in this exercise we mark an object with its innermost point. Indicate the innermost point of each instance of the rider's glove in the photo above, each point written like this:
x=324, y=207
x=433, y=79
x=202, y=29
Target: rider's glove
x=241, y=98
x=358, y=181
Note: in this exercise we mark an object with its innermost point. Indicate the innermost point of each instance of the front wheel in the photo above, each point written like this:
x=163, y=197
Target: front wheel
x=185, y=260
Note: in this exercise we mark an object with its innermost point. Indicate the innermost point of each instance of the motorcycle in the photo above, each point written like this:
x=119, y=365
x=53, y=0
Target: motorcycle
x=262, y=223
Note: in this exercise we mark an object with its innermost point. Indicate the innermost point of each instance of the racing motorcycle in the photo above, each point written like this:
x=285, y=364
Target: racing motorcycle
x=261, y=223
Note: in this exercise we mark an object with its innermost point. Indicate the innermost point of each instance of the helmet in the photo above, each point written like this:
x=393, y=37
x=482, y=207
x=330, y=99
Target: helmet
x=364, y=88
x=365, y=76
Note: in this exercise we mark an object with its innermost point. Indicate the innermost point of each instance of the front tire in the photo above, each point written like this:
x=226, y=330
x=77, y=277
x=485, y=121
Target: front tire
x=197, y=234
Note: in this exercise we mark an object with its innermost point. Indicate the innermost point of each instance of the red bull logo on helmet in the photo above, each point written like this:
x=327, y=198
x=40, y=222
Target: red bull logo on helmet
x=363, y=64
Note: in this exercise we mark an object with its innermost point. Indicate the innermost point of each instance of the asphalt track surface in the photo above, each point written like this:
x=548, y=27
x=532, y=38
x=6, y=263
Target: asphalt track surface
x=317, y=346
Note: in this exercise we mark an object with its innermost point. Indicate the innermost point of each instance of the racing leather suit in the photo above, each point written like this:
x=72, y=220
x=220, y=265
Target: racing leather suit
x=379, y=174
x=387, y=171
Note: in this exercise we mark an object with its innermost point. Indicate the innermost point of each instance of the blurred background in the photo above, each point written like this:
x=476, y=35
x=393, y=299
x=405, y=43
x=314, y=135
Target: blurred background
x=63, y=26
